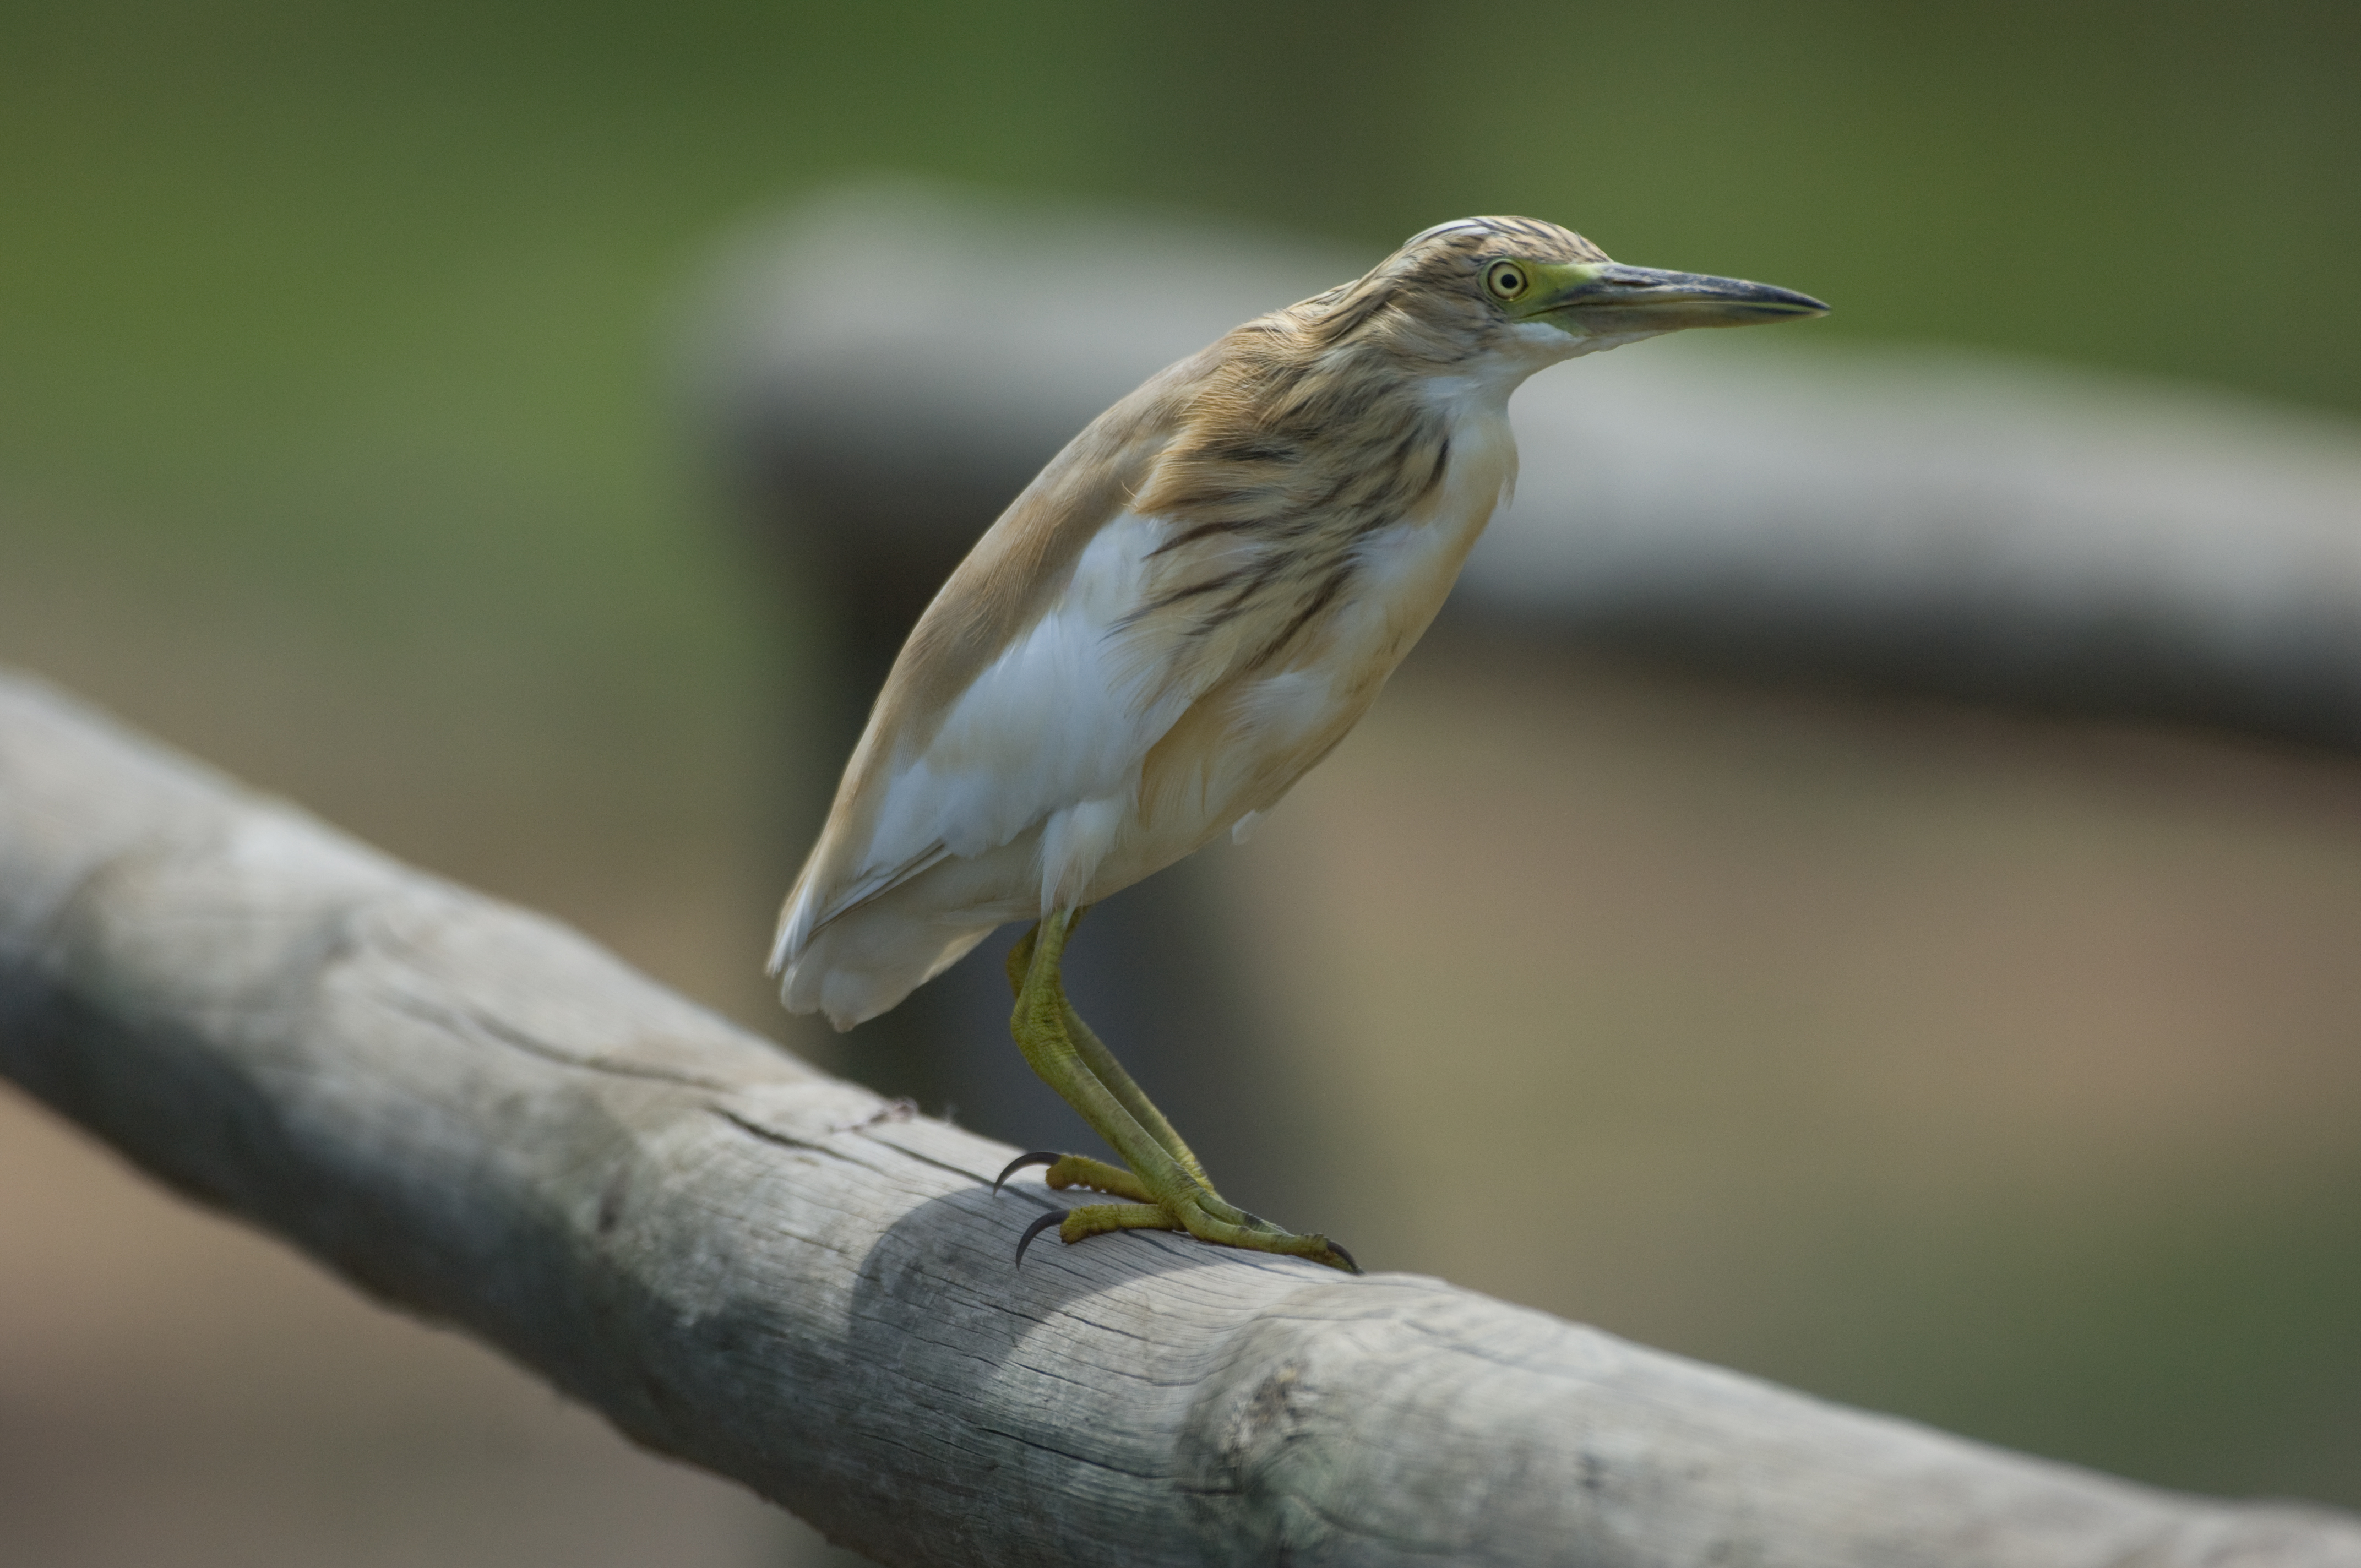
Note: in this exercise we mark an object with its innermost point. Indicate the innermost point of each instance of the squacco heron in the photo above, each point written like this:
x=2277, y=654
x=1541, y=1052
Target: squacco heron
x=1182, y=613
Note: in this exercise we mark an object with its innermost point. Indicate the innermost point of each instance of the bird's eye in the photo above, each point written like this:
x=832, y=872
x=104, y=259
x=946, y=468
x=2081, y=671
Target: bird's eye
x=1506, y=279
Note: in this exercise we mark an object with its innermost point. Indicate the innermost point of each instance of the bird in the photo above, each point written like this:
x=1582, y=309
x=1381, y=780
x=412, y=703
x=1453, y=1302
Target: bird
x=1183, y=612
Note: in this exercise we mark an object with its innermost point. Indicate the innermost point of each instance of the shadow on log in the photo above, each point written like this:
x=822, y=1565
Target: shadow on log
x=475, y=1114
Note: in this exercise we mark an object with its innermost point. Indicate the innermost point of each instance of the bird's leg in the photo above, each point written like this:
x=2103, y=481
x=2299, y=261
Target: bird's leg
x=1063, y=1170
x=1072, y=1169
x=1052, y=1050
x=1076, y=1170
x=1170, y=1194
x=1109, y=1071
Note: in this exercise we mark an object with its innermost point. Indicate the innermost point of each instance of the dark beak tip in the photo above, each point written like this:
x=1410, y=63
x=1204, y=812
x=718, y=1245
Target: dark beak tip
x=1729, y=301
x=1773, y=300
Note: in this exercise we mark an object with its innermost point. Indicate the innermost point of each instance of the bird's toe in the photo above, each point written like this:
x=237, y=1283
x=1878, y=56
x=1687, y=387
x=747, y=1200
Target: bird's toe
x=1039, y=1156
x=1054, y=1217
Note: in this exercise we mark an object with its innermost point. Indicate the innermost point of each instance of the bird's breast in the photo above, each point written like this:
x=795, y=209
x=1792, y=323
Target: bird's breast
x=1246, y=742
x=1404, y=570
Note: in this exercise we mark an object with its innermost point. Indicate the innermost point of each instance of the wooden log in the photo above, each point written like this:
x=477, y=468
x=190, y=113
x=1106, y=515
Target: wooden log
x=475, y=1114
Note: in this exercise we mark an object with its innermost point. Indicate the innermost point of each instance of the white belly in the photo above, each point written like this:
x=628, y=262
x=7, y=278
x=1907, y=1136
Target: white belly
x=1028, y=805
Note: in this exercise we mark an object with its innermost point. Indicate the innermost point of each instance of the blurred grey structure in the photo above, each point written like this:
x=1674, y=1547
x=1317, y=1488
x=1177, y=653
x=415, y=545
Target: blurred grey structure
x=884, y=370
x=1967, y=524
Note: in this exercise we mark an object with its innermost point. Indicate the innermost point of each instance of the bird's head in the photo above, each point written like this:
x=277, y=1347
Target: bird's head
x=1530, y=292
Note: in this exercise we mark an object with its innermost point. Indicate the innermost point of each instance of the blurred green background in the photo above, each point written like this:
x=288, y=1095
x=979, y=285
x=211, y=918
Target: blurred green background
x=337, y=443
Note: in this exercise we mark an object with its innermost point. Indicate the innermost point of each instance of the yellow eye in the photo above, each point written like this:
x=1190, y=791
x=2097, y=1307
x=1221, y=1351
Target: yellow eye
x=1506, y=279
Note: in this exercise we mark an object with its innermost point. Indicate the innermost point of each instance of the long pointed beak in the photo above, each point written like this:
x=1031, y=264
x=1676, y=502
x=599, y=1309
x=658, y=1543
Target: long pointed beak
x=1609, y=297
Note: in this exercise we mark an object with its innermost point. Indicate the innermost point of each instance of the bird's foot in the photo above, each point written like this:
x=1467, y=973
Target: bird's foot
x=1115, y=1182
x=1097, y=1220
x=1201, y=1212
x=1074, y=1170
x=1067, y=1170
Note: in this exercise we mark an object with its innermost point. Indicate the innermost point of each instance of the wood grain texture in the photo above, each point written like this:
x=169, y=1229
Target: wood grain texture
x=475, y=1114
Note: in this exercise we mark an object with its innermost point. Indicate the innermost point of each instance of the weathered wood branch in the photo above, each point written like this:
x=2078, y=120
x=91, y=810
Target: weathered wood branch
x=475, y=1114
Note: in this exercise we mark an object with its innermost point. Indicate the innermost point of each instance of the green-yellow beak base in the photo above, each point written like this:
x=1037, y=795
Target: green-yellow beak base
x=1607, y=298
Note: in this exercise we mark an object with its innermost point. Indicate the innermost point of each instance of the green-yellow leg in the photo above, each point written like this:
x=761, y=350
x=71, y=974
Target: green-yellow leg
x=1074, y=1170
x=1166, y=1182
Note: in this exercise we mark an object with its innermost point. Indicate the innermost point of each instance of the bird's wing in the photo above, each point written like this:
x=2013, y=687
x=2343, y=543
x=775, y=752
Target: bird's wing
x=1015, y=696
x=1060, y=717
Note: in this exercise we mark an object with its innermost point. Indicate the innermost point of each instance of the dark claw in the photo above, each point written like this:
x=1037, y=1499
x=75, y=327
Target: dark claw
x=1039, y=1156
x=1054, y=1217
x=1339, y=1251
